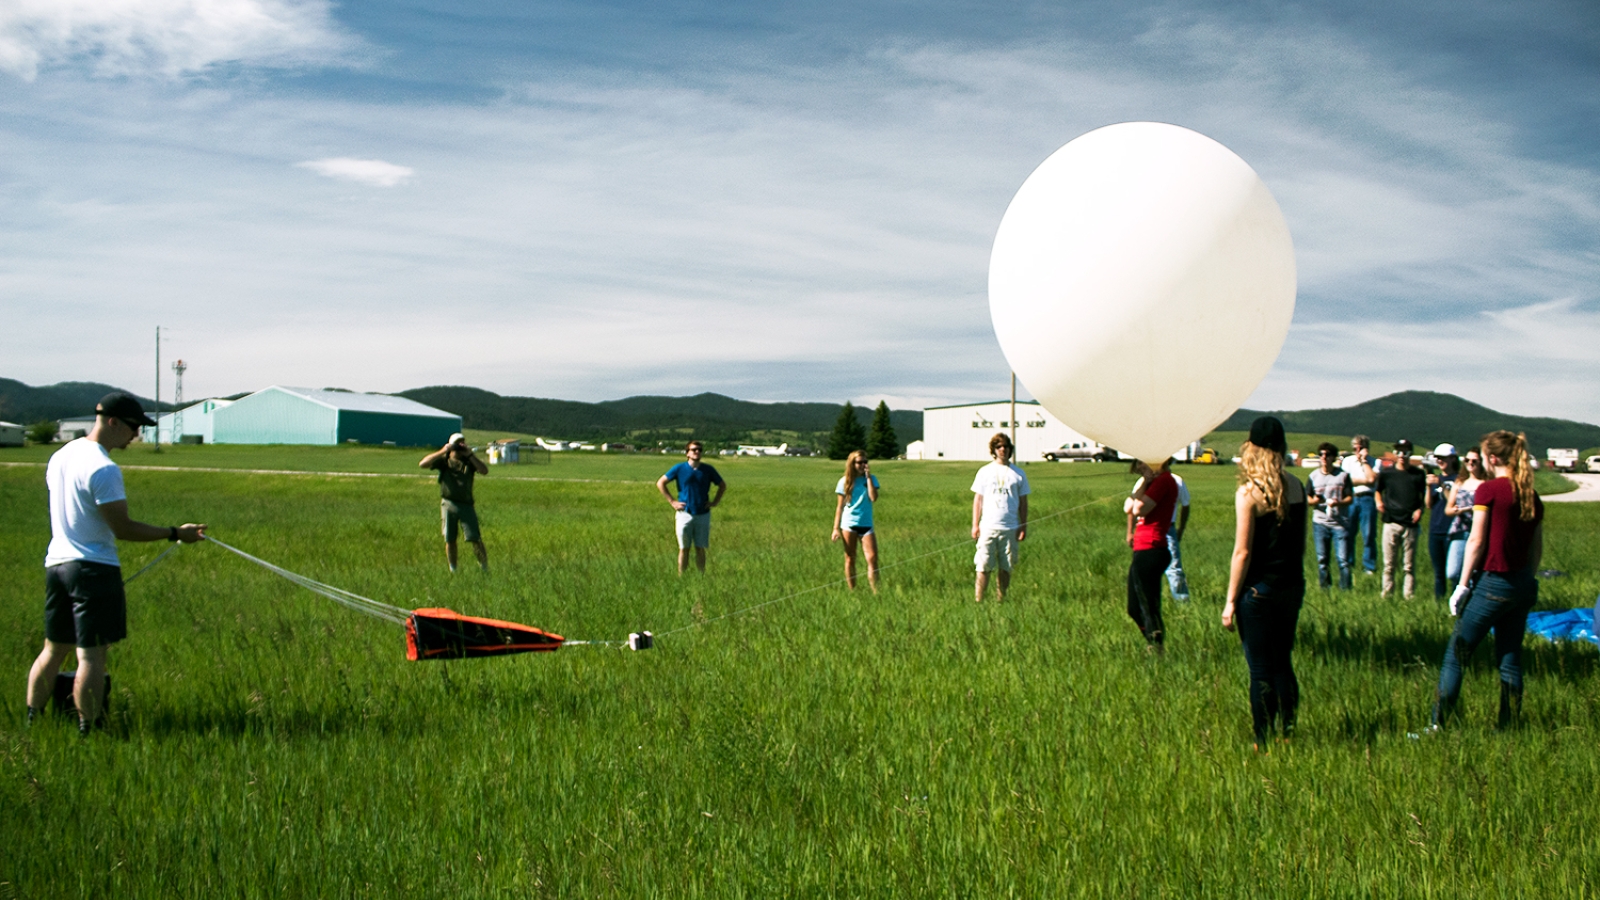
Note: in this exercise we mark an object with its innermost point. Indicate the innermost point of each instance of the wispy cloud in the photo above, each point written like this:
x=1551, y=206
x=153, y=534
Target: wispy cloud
x=375, y=172
x=785, y=231
x=1531, y=359
x=165, y=37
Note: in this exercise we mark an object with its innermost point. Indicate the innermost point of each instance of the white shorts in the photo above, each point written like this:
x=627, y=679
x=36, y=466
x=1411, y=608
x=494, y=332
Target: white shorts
x=996, y=549
x=693, y=530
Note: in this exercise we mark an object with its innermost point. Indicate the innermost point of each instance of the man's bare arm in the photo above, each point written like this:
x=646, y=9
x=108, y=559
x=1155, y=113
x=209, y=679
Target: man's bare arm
x=126, y=529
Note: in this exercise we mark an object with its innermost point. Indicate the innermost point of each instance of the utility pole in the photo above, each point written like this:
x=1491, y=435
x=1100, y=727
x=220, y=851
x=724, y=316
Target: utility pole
x=158, y=388
x=1013, y=416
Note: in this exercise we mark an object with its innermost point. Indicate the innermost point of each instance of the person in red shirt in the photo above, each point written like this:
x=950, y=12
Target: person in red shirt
x=1150, y=511
x=1498, y=585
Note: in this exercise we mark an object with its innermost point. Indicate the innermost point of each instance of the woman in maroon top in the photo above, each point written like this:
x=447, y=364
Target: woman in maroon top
x=1502, y=555
x=1151, y=504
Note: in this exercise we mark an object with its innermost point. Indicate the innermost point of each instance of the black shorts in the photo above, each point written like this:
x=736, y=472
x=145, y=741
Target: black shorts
x=84, y=604
x=859, y=530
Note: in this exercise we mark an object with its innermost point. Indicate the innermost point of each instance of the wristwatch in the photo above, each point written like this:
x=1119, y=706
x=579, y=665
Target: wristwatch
x=172, y=533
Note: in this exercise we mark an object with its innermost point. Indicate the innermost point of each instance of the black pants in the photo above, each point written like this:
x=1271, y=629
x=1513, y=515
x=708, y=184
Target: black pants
x=1266, y=619
x=1438, y=554
x=1144, y=591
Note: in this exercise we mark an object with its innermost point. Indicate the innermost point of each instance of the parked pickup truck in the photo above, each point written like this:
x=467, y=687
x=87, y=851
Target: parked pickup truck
x=1088, y=450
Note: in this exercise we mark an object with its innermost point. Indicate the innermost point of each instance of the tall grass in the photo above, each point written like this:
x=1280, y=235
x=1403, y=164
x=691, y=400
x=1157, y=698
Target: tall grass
x=265, y=742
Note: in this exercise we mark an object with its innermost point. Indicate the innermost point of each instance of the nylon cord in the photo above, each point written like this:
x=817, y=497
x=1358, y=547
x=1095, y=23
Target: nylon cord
x=374, y=608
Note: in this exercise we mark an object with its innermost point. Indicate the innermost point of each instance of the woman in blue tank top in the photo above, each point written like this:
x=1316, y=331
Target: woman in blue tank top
x=1267, y=580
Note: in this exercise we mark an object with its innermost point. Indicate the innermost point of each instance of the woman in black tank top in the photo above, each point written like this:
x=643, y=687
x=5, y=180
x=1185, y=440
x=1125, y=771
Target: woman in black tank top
x=1267, y=582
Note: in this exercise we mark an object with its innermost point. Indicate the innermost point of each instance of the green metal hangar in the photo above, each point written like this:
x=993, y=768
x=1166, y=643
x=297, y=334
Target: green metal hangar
x=292, y=415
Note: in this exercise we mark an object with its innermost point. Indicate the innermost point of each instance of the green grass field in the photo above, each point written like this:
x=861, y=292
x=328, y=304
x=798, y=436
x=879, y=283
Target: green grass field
x=265, y=742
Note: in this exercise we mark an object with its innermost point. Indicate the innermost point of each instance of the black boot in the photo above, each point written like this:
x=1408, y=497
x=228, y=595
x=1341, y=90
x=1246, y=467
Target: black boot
x=1510, y=706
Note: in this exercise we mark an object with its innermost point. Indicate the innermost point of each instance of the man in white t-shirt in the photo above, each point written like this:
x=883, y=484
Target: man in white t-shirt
x=84, y=605
x=1364, y=509
x=999, y=516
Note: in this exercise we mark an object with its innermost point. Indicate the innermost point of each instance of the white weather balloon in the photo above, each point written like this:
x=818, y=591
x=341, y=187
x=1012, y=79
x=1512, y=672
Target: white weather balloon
x=1141, y=285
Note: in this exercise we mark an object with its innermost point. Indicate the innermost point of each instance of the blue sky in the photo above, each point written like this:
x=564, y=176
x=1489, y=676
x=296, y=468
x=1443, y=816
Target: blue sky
x=593, y=200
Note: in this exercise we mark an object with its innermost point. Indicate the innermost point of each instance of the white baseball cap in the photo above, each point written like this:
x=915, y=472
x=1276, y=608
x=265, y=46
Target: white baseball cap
x=458, y=436
x=1445, y=450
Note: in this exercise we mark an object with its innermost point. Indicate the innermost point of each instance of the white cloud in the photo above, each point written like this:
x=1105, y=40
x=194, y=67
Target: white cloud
x=375, y=172
x=1532, y=359
x=166, y=37
x=779, y=234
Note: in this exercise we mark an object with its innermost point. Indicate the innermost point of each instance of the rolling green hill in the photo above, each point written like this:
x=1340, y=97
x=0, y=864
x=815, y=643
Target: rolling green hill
x=1427, y=419
x=25, y=404
x=644, y=419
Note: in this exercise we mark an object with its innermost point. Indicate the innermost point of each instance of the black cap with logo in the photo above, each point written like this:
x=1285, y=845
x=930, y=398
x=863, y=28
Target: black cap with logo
x=122, y=405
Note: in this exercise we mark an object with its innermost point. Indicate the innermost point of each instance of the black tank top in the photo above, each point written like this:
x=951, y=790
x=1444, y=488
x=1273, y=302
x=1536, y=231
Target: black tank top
x=1277, y=555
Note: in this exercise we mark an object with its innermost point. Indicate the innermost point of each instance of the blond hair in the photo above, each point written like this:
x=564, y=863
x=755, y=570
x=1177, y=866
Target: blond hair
x=1262, y=469
x=850, y=472
x=1512, y=449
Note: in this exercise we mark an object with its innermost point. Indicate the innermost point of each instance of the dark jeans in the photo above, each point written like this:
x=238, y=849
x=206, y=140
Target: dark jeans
x=1500, y=601
x=1144, y=591
x=1266, y=620
x=1364, y=518
x=1439, y=555
x=1330, y=540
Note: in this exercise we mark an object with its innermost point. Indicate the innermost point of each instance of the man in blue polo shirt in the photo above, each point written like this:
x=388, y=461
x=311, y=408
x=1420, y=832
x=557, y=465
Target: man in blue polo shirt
x=693, y=504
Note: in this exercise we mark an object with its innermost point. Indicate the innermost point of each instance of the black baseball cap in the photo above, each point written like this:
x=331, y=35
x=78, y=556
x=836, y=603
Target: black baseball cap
x=122, y=405
x=1402, y=444
x=1266, y=432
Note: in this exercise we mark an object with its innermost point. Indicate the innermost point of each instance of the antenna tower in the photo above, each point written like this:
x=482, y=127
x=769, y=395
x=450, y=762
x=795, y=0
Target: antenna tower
x=176, y=435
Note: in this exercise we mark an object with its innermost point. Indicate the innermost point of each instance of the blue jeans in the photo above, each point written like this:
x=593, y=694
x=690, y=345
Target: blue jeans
x=1176, y=580
x=1364, y=518
x=1500, y=602
x=1266, y=620
x=1438, y=553
x=1455, y=559
x=1330, y=539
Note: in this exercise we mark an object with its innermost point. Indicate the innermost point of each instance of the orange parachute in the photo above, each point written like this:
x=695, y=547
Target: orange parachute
x=447, y=634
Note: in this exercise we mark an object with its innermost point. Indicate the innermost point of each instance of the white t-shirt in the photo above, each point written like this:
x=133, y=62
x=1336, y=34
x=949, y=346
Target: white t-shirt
x=1003, y=488
x=1353, y=466
x=1183, y=498
x=81, y=477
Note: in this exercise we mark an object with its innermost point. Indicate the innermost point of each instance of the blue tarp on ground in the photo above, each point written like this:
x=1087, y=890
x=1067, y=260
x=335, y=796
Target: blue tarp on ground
x=1567, y=625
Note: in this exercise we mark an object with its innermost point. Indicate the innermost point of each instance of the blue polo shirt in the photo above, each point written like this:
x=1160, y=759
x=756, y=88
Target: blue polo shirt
x=694, y=486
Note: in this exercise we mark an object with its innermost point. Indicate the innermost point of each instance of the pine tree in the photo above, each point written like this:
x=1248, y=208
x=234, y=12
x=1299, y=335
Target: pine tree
x=882, y=442
x=848, y=435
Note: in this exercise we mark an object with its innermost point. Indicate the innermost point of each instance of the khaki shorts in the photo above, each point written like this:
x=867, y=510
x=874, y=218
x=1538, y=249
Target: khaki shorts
x=462, y=516
x=997, y=549
x=693, y=531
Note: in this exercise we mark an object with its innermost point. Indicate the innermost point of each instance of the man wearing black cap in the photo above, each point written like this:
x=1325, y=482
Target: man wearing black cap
x=84, y=606
x=1401, y=492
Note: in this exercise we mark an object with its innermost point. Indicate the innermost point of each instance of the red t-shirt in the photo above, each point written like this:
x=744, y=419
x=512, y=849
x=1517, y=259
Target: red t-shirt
x=1508, y=536
x=1151, y=531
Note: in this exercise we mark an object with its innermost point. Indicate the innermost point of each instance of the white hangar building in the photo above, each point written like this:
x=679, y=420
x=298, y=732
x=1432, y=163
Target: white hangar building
x=963, y=432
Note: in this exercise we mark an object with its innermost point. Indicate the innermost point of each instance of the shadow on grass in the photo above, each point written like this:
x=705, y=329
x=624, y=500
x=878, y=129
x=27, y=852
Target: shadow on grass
x=1571, y=661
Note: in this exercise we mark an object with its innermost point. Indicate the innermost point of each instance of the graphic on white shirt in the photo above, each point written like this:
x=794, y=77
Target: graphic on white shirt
x=1003, y=488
